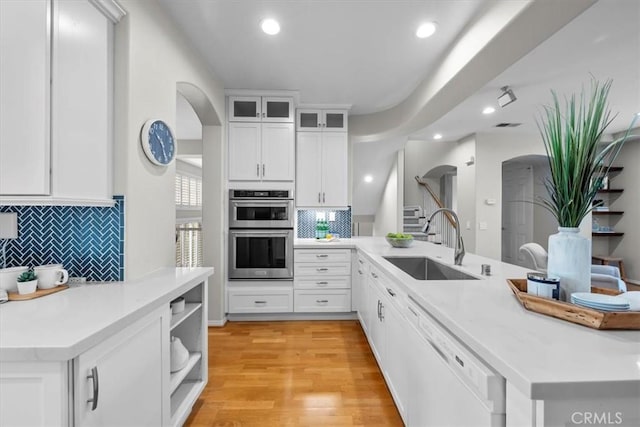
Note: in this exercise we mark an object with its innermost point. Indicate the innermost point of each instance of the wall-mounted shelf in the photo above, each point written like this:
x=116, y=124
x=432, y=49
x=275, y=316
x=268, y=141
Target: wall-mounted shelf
x=607, y=212
x=607, y=234
x=612, y=191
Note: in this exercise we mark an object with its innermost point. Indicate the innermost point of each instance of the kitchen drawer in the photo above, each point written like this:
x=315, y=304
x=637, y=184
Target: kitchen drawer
x=319, y=270
x=322, y=255
x=330, y=282
x=258, y=300
x=332, y=301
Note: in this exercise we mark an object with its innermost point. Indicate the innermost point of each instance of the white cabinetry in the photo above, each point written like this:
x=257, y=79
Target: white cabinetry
x=267, y=297
x=325, y=120
x=322, y=280
x=56, y=125
x=260, y=108
x=119, y=381
x=322, y=169
x=359, y=290
x=261, y=151
x=24, y=104
x=387, y=337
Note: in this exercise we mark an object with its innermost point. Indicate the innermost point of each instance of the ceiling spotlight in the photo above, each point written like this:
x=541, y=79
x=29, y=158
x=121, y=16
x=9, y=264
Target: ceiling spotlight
x=507, y=96
x=426, y=30
x=270, y=26
x=437, y=136
x=488, y=110
x=368, y=178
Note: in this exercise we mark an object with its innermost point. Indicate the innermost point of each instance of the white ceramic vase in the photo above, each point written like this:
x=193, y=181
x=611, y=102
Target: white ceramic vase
x=570, y=260
x=179, y=354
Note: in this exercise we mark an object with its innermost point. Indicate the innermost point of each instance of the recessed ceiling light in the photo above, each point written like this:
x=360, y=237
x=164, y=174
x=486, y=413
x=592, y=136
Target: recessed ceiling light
x=368, y=178
x=426, y=30
x=270, y=26
x=437, y=136
x=488, y=110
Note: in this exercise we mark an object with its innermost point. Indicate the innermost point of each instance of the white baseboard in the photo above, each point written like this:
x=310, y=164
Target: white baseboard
x=261, y=317
x=217, y=323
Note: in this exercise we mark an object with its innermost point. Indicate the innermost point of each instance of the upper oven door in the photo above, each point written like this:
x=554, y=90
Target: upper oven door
x=260, y=213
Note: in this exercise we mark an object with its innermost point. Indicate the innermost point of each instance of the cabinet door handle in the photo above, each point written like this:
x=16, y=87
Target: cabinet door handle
x=96, y=388
x=378, y=309
x=322, y=255
x=260, y=302
x=381, y=312
x=322, y=269
x=393, y=294
x=257, y=169
x=412, y=311
x=322, y=301
x=318, y=197
x=323, y=198
x=263, y=169
x=322, y=284
x=257, y=114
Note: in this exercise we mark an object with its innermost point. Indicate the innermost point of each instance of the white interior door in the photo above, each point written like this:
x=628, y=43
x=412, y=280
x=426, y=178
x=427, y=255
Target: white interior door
x=517, y=211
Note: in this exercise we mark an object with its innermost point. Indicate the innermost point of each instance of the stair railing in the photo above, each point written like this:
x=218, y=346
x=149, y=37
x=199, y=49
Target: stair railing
x=441, y=224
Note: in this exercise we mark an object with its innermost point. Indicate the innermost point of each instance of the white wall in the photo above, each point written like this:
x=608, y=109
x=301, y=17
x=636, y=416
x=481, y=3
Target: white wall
x=151, y=57
x=628, y=246
x=389, y=214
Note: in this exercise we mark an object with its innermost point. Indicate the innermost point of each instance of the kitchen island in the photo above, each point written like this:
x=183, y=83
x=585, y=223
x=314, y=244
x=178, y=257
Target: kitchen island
x=103, y=350
x=557, y=373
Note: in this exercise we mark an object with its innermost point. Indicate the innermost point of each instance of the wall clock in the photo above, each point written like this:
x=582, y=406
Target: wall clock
x=158, y=142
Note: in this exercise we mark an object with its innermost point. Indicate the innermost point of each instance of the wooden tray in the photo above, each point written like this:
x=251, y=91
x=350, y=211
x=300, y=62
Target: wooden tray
x=14, y=296
x=574, y=313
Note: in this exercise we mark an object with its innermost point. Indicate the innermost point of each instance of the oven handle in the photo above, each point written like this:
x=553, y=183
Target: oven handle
x=263, y=232
x=275, y=203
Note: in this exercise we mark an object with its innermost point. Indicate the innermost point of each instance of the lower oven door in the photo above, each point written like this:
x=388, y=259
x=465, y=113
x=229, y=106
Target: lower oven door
x=261, y=254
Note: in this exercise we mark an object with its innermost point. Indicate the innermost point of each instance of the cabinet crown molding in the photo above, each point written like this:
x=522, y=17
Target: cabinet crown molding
x=111, y=9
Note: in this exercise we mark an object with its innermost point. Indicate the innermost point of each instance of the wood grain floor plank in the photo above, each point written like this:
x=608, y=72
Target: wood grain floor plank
x=302, y=373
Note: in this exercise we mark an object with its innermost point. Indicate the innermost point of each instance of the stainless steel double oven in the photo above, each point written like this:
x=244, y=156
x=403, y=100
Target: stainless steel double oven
x=260, y=234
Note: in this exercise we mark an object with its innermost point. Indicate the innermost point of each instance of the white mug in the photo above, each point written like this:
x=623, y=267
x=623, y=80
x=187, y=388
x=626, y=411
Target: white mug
x=50, y=276
x=9, y=276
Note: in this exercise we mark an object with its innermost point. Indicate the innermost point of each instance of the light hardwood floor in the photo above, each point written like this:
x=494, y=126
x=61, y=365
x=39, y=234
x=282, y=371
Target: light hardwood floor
x=303, y=373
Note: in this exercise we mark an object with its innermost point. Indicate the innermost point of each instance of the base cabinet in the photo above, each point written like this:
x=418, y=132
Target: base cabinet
x=119, y=381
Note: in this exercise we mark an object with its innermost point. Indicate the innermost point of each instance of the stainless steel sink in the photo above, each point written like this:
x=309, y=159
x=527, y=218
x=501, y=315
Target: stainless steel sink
x=422, y=268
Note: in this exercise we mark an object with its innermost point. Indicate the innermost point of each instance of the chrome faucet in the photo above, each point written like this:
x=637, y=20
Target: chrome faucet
x=459, y=252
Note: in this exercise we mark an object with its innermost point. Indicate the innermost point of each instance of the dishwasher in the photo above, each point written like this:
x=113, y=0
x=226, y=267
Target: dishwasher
x=449, y=385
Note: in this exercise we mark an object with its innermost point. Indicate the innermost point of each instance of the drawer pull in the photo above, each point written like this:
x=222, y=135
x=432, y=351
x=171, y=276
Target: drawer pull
x=322, y=256
x=260, y=302
x=360, y=272
x=360, y=261
x=393, y=294
x=374, y=275
x=322, y=269
x=322, y=301
x=412, y=311
x=322, y=283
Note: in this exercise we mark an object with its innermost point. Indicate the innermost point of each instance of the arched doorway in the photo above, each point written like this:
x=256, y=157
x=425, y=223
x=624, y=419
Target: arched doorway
x=523, y=220
x=210, y=151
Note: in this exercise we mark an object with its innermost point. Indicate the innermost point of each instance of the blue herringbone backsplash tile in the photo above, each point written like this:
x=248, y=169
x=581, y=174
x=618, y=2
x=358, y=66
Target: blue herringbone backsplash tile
x=87, y=241
x=307, y=222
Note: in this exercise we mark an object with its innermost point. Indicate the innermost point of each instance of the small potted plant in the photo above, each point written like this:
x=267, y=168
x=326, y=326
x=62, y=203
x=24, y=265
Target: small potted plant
x=27, y=282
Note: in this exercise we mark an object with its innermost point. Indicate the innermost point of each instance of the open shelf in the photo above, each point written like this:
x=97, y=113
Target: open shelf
x=182, y=400
x=607, y=212
x=189, y=309
x=178, y=376
x=606, y=233
x=612, y=191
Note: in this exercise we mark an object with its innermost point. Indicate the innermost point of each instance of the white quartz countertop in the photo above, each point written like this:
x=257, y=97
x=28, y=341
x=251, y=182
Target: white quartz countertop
x=61, y=326
x=319, y=244
x=542, y=356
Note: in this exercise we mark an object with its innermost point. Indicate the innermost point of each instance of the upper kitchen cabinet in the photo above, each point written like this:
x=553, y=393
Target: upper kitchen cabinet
x=261, y=152
x=321, y=120
x=260, y=109
x=24, y=105
x=56, y=118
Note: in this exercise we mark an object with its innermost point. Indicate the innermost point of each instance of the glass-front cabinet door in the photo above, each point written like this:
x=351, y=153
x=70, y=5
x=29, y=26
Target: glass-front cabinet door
x=309, y=120
x=245, y=108
x=334, y=120
x=276, y=109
